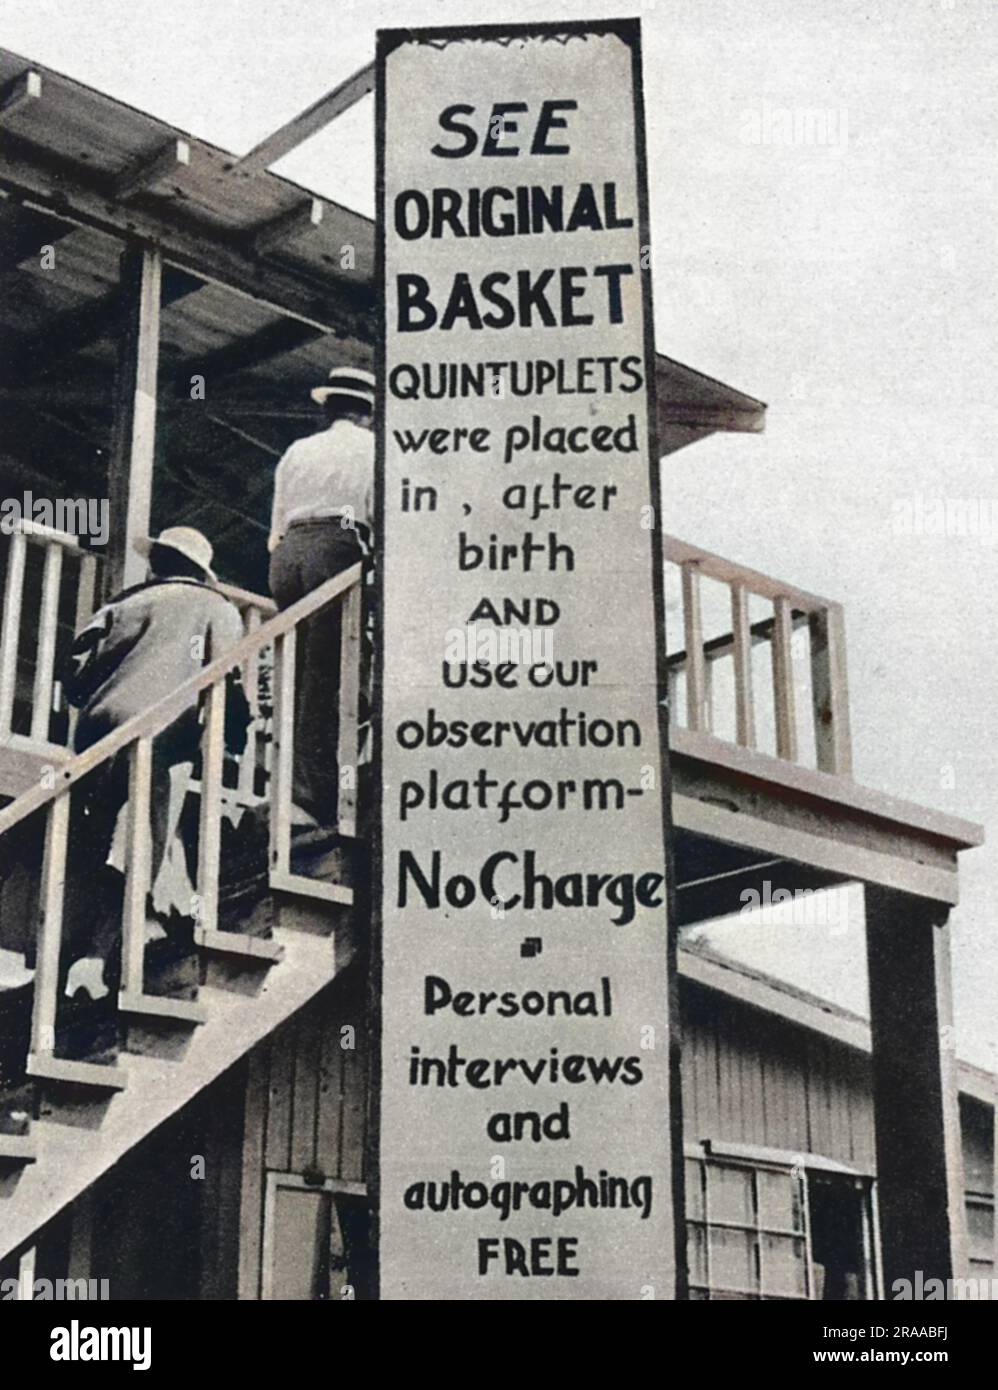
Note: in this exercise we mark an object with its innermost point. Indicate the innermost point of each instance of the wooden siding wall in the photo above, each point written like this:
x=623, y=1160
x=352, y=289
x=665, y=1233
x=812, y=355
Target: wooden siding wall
x=306, y=1106
x=753, y=1079
x=155, y=1228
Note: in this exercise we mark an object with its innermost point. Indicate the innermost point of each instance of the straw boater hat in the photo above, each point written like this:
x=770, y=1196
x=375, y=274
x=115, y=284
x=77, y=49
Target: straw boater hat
x=186, y=541
x=351, y=383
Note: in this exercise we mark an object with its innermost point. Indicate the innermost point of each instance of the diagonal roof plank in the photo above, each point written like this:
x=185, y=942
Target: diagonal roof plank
x=309, y=122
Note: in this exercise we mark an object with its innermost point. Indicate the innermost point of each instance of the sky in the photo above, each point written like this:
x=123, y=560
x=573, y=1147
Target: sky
x=847, y=278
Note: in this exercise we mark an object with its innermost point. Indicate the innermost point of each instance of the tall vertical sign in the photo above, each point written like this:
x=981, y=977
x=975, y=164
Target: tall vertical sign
x=524, y=1145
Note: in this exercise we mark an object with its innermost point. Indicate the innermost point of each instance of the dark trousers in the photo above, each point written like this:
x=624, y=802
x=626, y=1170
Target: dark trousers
x=310, y=553
x=93, y=907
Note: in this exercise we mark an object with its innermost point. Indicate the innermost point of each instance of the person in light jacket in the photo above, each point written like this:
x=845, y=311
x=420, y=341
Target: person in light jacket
x=140, y=646
x=321, y=525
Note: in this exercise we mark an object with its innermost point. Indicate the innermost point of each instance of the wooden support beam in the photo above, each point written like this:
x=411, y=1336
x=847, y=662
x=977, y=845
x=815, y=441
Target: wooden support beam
x=920, y=1182
x=273, y=340
x=25, y=89
x=308, y=122
x=23, y=233
x=287, y=227
x=145, y=173
x=134, y=431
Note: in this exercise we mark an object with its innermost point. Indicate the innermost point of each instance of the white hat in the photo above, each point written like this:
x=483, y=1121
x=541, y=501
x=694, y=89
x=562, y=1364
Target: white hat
x=353, y=383
x=186, y=541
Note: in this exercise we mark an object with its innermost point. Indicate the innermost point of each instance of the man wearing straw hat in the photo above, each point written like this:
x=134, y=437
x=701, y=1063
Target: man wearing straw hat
x=321, y=525
x=140, y=646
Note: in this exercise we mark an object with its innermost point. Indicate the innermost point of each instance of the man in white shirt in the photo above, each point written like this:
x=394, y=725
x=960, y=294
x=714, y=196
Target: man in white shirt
x=321, y=525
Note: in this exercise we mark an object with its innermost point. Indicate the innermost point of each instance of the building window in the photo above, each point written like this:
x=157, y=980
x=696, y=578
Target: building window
x=981, y=1234
x=759, y=1228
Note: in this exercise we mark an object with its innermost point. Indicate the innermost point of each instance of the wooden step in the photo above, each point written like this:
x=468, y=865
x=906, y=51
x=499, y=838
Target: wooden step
x=161, y=1006
x=90, y=1075
x=253, y=949
x=317, y=888
x=17, y=1149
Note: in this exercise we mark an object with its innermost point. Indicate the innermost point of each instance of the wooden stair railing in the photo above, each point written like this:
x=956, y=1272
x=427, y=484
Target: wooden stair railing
x=137, y=737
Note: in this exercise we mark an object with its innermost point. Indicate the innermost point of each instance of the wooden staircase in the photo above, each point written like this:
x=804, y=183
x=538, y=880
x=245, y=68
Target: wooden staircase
x=164, y=1039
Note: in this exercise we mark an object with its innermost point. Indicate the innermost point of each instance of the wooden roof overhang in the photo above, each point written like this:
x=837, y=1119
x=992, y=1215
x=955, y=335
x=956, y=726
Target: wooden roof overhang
x=73, y=159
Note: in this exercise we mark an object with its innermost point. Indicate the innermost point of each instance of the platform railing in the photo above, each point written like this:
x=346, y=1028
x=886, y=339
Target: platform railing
x=30, y=635
x=791, y=610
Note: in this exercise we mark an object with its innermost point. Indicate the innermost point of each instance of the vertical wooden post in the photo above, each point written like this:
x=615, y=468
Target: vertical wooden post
x=133, y=439
x=742, y=635
x=210, y=826
x=282, y=780
x=784, y=695
x=830, y=691
x=349, y=713
x=11, y=630
x=137, y=880
x=48, y=626
x=86, y=593
x=251, y=686
x=696, y=677
x=920, y=1182
x=43, y=1017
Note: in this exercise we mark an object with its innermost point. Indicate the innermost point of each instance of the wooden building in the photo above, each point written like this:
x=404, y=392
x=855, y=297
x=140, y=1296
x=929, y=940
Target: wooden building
x=164, y=309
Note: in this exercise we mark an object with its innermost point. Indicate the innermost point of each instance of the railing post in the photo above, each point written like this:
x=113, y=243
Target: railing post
x=284, y=751
x=251, y=687
x=43, y=1017
x=48, y=626
x=137, y=884
x=783, y=680
x=210, y=826
x=86, y=593
x=348, y=750
x=830, y=691
x=11, y=629
x=742, y=644
x=696, y=678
